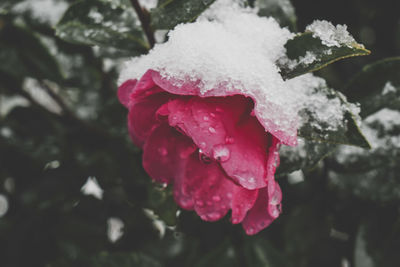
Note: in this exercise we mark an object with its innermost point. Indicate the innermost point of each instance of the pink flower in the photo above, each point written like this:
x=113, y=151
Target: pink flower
x=213, y=149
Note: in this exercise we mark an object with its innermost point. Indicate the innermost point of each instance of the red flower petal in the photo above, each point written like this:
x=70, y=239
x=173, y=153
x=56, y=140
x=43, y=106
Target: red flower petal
x=125, y=91
x=142, y=117
x=214, y=193
x=165, y=154
x=264, y=212
x=224, y=130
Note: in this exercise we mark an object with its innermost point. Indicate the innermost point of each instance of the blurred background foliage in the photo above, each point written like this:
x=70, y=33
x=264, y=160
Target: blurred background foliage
x=72, y=189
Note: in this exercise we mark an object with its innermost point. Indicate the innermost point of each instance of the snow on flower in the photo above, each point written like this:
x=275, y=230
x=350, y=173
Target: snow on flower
x=210, y=109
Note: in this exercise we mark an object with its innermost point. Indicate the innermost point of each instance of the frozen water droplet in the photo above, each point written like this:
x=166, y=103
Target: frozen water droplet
x=163, y=151
x=221, y=153
x=212, y=130
x=216, y=198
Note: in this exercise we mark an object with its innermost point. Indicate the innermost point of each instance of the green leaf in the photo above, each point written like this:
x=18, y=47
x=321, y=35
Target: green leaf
x=305, y=156
x=120, y=259
x=25, y=55
x=376, y=86
x=222, y=255
x=170, y=13
x=107, y=24
x=260, y=252
x=161, y=201
x=348, y=132
x=282, y=10
x=306, y=53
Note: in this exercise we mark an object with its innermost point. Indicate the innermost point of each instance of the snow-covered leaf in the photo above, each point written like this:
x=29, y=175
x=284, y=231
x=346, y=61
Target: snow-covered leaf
x=106, y=24
x=377, y=86
x=320, y=45
x=305, y=156
x=317, y=125
x=170, y=13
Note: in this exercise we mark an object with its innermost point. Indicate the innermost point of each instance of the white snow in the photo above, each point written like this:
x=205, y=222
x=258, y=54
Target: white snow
x=148, y=4
x=92, y=187
x=231, y=50
x=115, y=228
x=329, y=34
x=388, y=88
x=46, y=11
x=387, y=120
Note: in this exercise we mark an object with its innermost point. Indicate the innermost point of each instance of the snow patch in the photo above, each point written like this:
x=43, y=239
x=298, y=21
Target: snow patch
x=331, y=35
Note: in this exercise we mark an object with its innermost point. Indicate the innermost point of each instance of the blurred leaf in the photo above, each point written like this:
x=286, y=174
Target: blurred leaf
x=221, y=256
x=107, y=24
x=373, y=174
x=321, y=131
x=25, y=55
x=376, y=86
x=170, y=13
x=307, y=54
x=282, y=10
x=260, y=252
x=161, y=201
x=304, y=156
x=121, y=259
x=380, y=232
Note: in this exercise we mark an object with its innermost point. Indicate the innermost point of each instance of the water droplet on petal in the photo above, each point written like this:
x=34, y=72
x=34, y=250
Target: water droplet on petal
x=229, y=140
x=203, y=144
x=218, y=109
x=206, y=118
x=221, y=153
x=212, y=130
x=250, y=231
x=209, y=203
x=212, y=115
x=275, y=198
x=204, y=158
x=216, y=198
x=199, y=203
x=163, y=151
x=252, y=180
x=229, y=195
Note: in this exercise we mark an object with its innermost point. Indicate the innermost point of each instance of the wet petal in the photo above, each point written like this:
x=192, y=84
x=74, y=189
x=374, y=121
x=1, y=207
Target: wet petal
x=162, y=154
x=214, y=193
x=125, y=92
x=224, y=131
x=266, y=209
x=142, y=117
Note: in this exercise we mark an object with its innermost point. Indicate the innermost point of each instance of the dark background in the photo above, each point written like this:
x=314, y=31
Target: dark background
x=50, y=222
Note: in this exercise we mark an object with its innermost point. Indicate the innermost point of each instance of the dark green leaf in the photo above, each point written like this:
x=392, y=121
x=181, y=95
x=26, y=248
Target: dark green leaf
x=308, y=53
x=282, y=10
x=25, y=55
x=377, y=86
x=161, y=201
x=222, y=255
x=260, y=252
x=107, y=24
x=123, y=260
x=304, y=156
x=347, y=133
x=170, y=13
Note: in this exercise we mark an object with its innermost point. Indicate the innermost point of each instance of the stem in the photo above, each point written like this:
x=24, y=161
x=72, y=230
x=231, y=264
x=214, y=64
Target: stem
x=145, y=21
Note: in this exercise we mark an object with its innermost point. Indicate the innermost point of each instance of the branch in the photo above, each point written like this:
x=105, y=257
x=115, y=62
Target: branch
x=145, y=21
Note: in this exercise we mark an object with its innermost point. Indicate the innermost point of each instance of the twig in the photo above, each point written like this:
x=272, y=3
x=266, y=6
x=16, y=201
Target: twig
x=145, y=21
x=57, y=99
